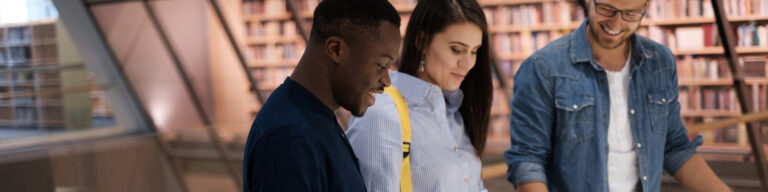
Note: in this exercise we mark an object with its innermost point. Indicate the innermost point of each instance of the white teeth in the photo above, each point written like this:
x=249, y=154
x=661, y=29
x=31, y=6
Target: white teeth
x=611, y=32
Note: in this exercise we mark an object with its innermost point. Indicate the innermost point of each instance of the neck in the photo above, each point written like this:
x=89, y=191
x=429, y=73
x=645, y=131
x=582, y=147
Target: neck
x=611, y=59
x=312, y=74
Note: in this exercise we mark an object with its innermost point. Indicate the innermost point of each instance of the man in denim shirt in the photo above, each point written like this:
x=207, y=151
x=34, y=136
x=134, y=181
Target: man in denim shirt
x=597, y=110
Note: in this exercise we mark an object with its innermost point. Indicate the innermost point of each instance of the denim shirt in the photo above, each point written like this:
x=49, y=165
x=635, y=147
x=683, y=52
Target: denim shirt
x=560, y=116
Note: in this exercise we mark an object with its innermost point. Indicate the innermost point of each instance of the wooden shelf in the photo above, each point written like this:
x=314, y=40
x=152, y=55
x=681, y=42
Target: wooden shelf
x=709, y=113
x=273, y=64
x=719, y=50
x=273, y=40
x=543, y=27
x=701, y=20
x=759, y=81
x=280, y=17
x=513, y=57
x=704, y=82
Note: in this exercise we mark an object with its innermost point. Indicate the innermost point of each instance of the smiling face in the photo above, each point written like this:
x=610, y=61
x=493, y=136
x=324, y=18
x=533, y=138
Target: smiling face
x=363, y=68
x=612, y=32
x=451, y=54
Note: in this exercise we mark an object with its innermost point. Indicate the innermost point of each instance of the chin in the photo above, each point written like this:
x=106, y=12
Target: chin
x=358, y=113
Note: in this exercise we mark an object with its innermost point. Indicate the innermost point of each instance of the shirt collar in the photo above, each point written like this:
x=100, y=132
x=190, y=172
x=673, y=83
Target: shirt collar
x=417, y=90
x=305, y=99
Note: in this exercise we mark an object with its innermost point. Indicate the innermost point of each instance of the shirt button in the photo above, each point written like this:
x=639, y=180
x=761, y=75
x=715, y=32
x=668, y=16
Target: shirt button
x=456, y=148
x=639, y=145
x=466, y=180
x=606, y=148
x=602, y=80
x=645, y=178
x=663, y=100
x=605, y=115
x=632, y=111
x=575, y=106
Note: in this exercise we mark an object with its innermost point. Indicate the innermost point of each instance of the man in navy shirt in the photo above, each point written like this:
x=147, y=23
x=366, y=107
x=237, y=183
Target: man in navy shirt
x=295, y=143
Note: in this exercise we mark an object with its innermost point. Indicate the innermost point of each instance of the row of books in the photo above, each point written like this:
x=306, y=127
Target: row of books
x=509, y=68
x=275, y=7
x=759, y=97
x=699, y=68
x=708, y=98
x=271, y=29
x=752, y=35
x=674, y=9
x=275, y=51
x=685, y=38
x=525, y=42
x=547, y=13
x=745, y=7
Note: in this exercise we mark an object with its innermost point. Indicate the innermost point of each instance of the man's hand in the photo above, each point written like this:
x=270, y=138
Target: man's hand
x=532, y=187
x=695, y=175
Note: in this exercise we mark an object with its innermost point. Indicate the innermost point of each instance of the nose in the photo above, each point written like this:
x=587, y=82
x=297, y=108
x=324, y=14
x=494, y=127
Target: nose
x=466, y=61
x=385, y=79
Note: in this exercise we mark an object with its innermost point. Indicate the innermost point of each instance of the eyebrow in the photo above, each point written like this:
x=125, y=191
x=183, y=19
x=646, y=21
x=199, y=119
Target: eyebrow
x=388, y=56
x=460, y=43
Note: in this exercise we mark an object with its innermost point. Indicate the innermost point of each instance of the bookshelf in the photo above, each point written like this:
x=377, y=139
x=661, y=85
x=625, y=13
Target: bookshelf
x=688, y=28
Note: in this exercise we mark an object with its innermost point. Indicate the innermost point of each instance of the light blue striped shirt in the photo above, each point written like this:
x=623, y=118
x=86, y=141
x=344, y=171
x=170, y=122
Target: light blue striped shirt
x=442, y=157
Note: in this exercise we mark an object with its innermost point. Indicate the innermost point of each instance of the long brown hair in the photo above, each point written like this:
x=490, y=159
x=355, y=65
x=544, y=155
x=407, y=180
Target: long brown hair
x=433, y=16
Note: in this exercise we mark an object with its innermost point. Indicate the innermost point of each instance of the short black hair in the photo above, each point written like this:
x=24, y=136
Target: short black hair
x=351, y=19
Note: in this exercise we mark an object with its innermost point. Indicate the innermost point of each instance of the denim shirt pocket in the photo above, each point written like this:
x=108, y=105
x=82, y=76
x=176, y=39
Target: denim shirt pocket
x=575, y=117
x=658, y=107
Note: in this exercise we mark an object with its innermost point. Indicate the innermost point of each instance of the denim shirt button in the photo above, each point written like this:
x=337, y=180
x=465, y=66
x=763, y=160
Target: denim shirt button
x=639, y=145
x=645, y=178
x=632, y=111
x=605, y=115
x=575, y=107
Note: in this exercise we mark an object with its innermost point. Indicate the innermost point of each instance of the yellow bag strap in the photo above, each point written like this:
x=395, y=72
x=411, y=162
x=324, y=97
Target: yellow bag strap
x=405, y=123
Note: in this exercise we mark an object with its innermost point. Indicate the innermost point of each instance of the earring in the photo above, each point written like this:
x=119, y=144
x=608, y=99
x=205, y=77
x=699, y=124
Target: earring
x=421, y=65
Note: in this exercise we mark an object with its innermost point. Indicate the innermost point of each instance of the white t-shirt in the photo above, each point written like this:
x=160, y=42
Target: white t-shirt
x=622, y=159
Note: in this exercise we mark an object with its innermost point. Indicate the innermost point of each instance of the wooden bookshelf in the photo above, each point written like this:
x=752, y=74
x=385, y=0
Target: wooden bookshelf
x=514, y=57
x=700, y=20
x=720, y=51
x=545, y=27
x=709, y=113
x=271, y=64
x=705, y=82
x=274, y=40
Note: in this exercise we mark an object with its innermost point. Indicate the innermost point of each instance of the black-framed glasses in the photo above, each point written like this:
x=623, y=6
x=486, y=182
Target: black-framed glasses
x=610, y=11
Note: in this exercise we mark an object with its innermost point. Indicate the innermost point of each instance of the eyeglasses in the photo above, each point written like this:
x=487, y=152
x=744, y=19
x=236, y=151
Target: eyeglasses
x=609, y=11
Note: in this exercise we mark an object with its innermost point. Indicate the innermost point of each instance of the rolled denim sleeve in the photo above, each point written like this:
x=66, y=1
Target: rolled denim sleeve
x=678, y=148
x=531, y=124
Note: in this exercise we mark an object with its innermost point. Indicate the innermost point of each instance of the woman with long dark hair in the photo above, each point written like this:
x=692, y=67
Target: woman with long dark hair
x=428, y=131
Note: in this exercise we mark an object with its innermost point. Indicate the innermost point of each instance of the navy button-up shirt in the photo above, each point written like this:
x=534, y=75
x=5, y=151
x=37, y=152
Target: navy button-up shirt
x=295, y=144
x=558, y=127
